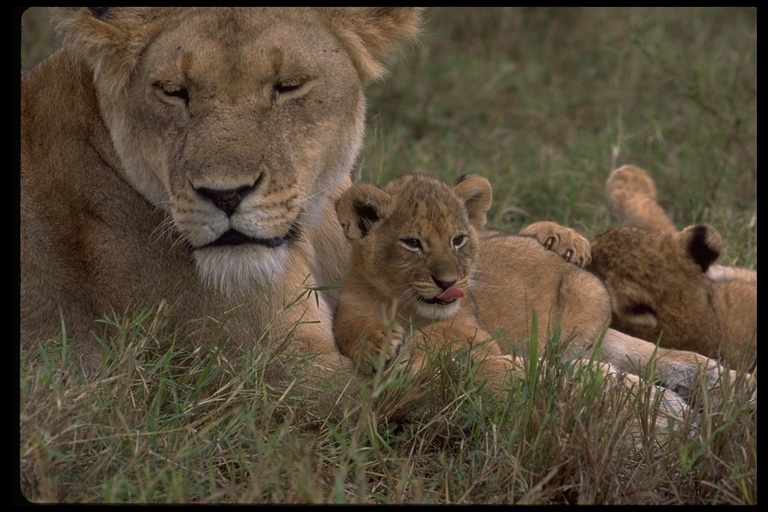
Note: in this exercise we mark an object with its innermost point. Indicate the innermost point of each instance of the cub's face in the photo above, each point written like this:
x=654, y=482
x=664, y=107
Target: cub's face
x=238, y=122
x=415, y=241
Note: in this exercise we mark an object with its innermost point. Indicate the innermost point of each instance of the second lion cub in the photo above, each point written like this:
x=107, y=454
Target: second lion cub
x=414, y=244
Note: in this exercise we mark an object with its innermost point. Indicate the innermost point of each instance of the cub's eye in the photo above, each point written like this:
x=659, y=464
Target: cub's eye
x=287, y=87
x=413, y=244
x=172, y=92
x=458, y=241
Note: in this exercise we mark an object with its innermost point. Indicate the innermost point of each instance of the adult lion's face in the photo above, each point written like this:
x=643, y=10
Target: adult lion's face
x=237, y=122
x=240, y=127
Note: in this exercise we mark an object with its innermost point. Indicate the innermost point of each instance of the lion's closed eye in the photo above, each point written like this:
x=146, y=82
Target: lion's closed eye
x=171, y=92
x=291, y=88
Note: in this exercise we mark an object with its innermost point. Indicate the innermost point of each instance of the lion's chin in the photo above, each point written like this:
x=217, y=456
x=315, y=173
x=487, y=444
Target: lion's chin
x=241, y=268
x=438, y=311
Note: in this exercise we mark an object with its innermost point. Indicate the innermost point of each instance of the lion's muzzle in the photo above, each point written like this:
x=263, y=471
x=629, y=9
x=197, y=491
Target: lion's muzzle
x=234, y=237
x=228, y=200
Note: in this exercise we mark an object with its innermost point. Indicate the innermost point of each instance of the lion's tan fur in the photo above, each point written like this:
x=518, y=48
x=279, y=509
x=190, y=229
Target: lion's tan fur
x=540, y=272
x=389, y=291
x=507, y=282
x=155, y=131
x=663, y=283
x=195, y=155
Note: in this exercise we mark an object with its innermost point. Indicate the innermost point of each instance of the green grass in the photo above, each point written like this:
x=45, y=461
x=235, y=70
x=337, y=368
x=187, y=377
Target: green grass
x=163, y=425
x=544, y=102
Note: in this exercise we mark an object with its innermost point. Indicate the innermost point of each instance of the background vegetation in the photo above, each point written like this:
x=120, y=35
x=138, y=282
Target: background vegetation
x=544, y=102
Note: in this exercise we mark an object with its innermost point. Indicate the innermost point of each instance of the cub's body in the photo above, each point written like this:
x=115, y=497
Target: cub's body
x=416, y=281
x=664, y=284
x=414, y=244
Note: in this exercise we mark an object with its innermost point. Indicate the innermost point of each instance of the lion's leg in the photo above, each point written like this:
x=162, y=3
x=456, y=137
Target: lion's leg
x=721, y=273
x=670, y=404
x=653, y=409
x=678, y=370
x=363, y=334
x=496, y=371
x=463, y=332
x=585, y=311
x=632, y=194
x=330, y=246
x=304, y=319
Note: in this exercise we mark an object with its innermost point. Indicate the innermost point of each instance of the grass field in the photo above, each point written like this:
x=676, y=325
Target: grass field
x=544, y=102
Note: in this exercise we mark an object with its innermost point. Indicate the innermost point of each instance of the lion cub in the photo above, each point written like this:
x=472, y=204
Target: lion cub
x=414, y=244
x=664, y=283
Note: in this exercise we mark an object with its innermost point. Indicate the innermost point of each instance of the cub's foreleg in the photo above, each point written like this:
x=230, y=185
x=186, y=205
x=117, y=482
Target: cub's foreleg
x=369, y=336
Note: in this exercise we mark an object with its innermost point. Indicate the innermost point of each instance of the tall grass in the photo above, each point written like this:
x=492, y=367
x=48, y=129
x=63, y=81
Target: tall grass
x=544, y=102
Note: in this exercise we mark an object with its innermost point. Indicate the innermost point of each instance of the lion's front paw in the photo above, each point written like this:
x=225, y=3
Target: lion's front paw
x=393, y=341
x=378, y=348
x=565, y=242
x=686, y=378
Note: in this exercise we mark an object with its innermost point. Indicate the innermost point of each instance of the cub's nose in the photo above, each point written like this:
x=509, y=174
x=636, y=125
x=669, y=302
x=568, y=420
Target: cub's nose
x=443, y=283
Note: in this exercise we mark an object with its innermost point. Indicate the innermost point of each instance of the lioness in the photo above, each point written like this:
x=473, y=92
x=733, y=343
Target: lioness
x=195, y=154
x=663, y=283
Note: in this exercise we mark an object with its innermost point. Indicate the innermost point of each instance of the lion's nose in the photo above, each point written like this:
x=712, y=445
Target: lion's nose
x=227, y=200
x=444, y=283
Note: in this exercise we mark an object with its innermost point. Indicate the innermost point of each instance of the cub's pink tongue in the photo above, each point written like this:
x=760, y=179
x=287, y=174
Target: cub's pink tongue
x=450, y=294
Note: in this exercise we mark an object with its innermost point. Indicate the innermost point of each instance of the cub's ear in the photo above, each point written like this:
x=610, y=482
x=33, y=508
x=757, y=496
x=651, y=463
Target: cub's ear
x=702, y=244
x=476, y=194
x=634, y=308
x=109, y=39
x=360, y=207
x=372, y=34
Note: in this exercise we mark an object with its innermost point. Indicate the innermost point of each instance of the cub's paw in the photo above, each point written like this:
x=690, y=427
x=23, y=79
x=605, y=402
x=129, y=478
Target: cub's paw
x=670, y=404
x=392, y=341
x=629, y=181
x=565, y=242
x=378, y=349
x=632, y=195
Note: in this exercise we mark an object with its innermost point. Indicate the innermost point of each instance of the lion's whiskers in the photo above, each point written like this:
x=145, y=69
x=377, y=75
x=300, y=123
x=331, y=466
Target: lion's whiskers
x=166, y=230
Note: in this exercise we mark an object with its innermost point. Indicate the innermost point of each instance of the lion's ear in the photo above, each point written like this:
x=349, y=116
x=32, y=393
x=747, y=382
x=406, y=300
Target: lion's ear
x=360, y=207
x=109, y=39
x=372, y=34
x=634, y=308
x=476, y=194
x=702, y=244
